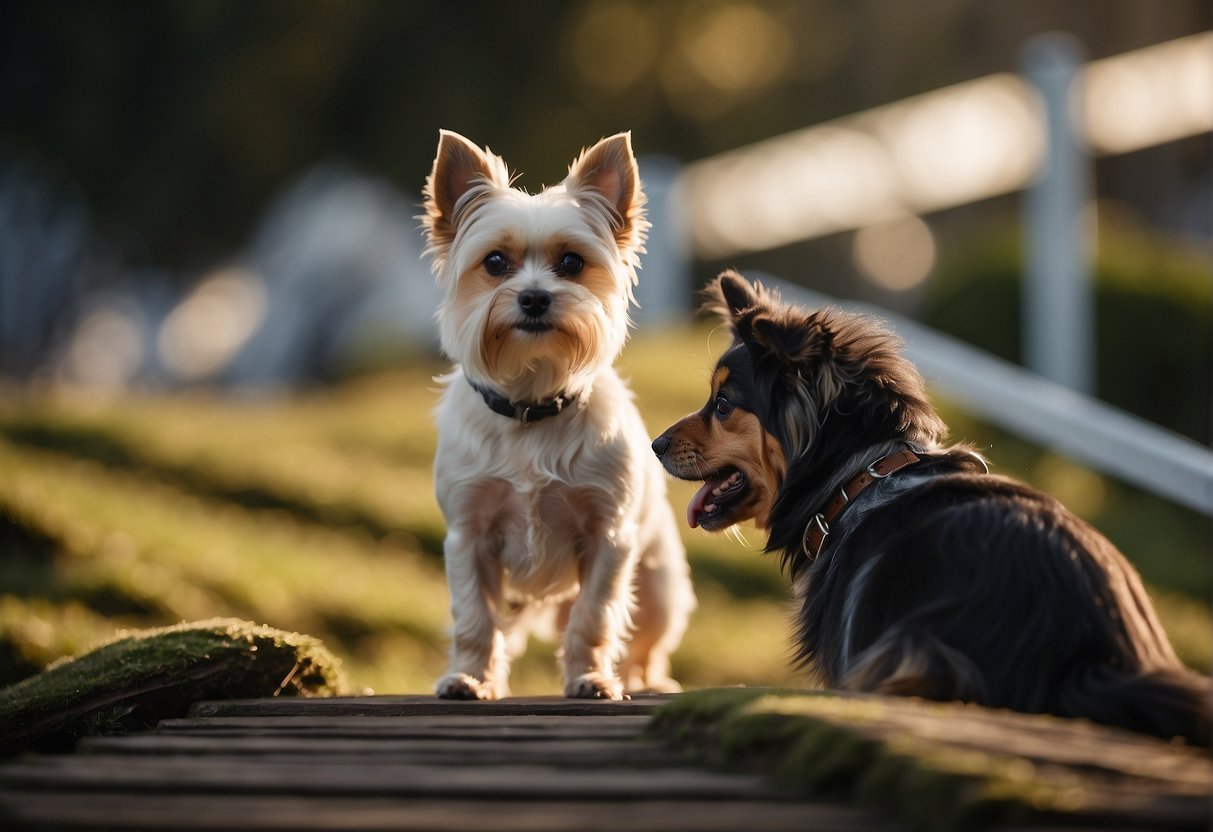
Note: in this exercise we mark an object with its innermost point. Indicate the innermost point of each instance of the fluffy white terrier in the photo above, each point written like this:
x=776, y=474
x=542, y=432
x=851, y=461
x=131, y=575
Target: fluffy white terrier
x=552, y=498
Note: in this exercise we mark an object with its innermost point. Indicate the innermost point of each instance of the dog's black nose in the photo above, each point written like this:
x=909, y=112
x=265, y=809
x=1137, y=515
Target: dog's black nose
x=534, y=302
x=660, y=445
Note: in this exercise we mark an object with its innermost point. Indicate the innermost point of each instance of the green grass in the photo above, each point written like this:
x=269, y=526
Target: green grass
x=315, y=513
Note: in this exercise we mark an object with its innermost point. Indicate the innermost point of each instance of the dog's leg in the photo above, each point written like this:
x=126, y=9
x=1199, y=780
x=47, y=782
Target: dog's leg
x=664, y=602
x=598, y=620
x=646, y=667
x=479, y=666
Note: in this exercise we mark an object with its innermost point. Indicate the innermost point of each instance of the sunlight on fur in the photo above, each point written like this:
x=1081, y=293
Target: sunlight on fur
x=917, y=572
x=555, y=507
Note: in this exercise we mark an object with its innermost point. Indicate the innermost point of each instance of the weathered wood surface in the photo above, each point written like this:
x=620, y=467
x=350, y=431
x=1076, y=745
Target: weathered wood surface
x=408, y=763
x=947, y=764
x=470, y=728
x=417, y=763
x=639, y=705
x=70, y=810
x=578, y=753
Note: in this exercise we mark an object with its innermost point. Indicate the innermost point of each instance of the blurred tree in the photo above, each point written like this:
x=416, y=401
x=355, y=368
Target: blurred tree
x=180, y=120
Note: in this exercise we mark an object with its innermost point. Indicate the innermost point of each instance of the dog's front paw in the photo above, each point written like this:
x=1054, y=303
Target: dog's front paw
x=594, y=686
x=463, y=686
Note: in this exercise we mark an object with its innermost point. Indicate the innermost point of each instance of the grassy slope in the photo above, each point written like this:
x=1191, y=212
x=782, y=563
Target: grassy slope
x=316, y=513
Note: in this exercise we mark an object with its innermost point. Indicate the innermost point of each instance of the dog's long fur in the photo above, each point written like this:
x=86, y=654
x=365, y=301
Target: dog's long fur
x=940, y=581
x=568, y=514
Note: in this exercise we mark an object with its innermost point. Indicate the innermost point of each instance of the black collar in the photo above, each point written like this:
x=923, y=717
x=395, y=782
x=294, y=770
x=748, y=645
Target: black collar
x=524, y=412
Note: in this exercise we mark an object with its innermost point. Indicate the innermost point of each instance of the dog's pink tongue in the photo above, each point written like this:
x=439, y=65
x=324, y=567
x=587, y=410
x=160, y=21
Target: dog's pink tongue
x=695, y=508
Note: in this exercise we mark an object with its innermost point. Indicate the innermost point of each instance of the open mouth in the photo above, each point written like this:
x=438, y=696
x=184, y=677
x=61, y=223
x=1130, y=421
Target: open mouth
x=710, y=506
x=535, y=327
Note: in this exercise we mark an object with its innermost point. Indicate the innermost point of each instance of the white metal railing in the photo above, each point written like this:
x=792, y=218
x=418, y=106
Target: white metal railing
x=944, y=148
x=1028, y=405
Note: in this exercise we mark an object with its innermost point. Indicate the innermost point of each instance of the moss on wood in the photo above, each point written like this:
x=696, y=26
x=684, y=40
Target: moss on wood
x=941, y=766
x=142, y=677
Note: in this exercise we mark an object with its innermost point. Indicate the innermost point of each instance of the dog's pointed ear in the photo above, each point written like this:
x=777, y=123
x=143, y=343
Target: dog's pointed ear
x=458, y=167
x=798, y=347
x=790, y=338
x=729, y=295
x=609, y=167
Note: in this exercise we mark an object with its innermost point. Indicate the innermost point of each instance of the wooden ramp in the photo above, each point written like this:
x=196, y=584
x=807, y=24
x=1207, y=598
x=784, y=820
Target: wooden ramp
x=403, y=763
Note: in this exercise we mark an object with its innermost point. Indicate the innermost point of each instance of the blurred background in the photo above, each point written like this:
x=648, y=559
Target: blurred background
x=216, y=340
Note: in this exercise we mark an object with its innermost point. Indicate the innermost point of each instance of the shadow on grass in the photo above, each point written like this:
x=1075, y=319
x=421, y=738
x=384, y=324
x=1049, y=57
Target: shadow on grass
x=105, y=448
x=740, y=578
x=34, y=565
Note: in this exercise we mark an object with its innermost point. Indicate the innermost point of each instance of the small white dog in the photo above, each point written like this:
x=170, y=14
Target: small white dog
x=551, y=494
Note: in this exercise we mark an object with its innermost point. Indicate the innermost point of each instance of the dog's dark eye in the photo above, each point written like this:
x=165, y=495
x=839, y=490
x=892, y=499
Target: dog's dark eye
x=723, y=407
x=570, y=264
x=496, y=264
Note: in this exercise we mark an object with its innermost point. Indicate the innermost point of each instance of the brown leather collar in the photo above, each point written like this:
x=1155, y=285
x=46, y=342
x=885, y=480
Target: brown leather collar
x=819, y=528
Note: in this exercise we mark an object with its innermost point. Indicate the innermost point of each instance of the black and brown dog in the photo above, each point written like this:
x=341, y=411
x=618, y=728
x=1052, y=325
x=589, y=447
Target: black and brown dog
x=918, y=572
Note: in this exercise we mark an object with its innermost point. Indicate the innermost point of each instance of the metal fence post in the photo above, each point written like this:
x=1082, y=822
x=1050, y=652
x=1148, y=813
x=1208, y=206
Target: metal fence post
x=1058, y=325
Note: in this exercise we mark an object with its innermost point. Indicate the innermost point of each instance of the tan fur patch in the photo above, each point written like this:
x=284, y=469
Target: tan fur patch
x=740, y=442
x=599, y=282
x=719, y=377
x=703, y=447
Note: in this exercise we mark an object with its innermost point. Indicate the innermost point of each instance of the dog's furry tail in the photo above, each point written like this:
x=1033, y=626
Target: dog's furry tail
x=1166, y=703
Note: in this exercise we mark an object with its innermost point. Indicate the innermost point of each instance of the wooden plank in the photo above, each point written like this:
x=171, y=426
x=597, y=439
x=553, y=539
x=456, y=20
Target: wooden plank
x=619, y=725
x=76, y=810
x=1053, y=742
x=552, y=728
x=539, y=764
x=567, y=752
x=316, y=775
x=638, y=705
